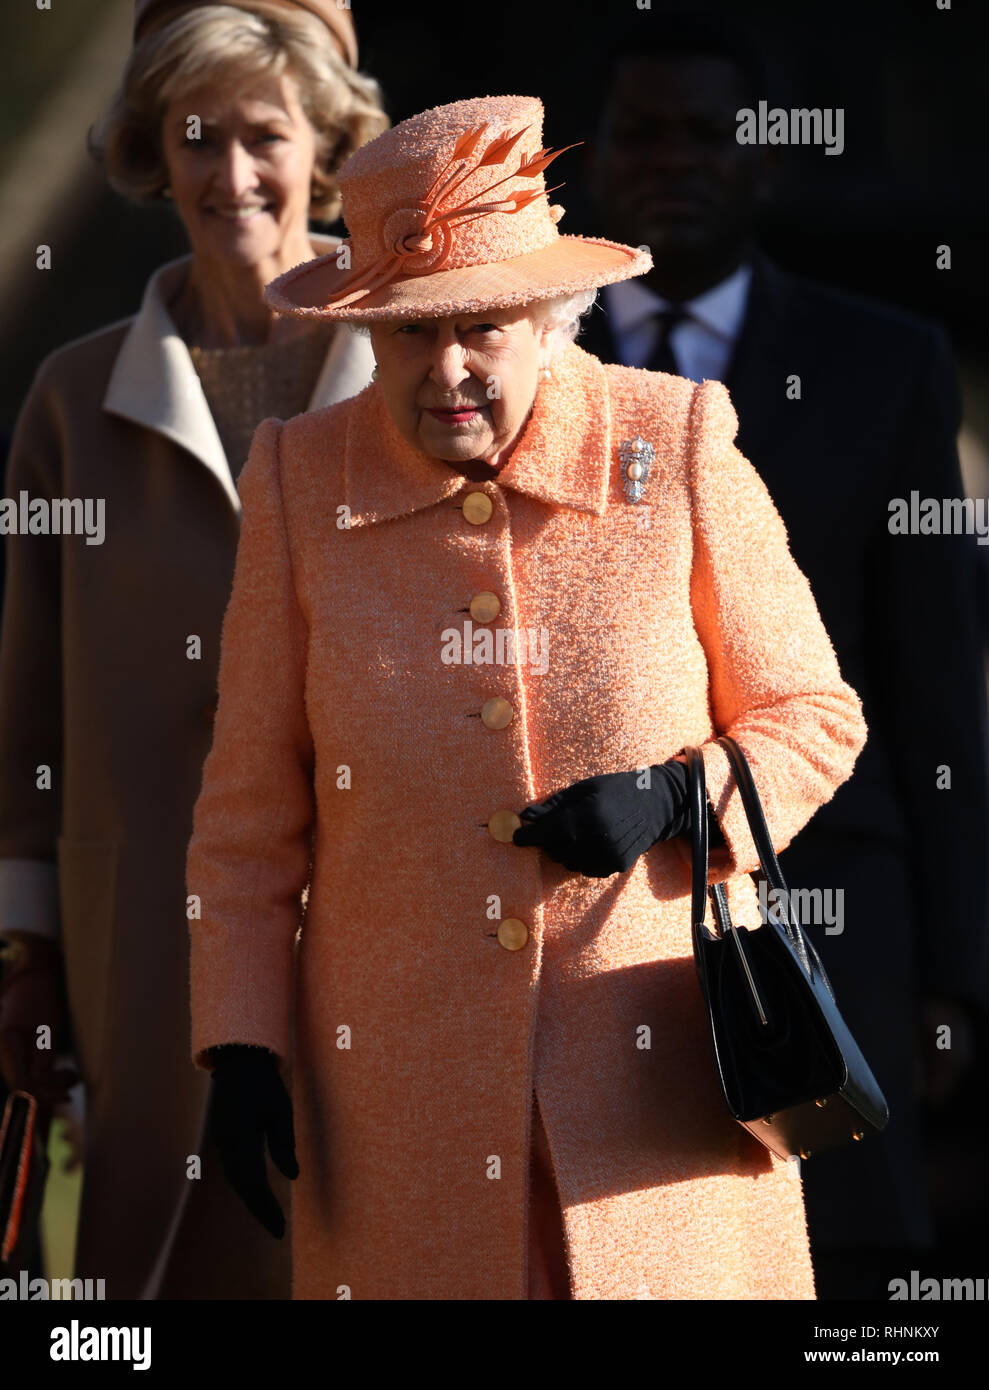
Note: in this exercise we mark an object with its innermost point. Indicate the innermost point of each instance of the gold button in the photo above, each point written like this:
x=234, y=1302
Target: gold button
x=502, y=826
x=512, y=933
x=484, y=607
x=477, y=507
x=496, y=713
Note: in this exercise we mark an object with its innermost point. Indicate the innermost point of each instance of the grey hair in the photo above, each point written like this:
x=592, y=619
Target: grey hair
x=562, y=315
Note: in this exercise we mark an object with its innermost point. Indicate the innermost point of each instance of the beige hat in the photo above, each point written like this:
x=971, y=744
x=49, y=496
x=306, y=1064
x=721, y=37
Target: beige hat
x=448, y=213
x=150, y=13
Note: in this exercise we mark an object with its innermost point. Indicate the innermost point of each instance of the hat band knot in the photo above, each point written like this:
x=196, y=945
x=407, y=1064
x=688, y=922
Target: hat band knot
x=414, y=245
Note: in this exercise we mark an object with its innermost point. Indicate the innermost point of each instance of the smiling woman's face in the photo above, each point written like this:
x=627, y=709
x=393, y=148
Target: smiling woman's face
x=461, y=388
x=243, y=189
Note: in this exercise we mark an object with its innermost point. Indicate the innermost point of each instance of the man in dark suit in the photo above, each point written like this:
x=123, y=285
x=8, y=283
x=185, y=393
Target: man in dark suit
x=844, y=405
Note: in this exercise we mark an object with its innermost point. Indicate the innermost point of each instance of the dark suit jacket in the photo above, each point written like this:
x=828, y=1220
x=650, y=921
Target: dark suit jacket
x=878, y=417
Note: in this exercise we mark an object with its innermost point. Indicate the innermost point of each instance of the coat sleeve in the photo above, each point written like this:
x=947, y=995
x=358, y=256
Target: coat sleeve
x=31, y=680
x=248, y=858
x=774, y=681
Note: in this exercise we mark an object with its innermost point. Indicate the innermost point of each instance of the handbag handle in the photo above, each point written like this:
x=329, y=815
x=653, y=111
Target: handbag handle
x=758, y=828
x=768, y=862
x=697, y=791
x=759, y=831
x=698, y=877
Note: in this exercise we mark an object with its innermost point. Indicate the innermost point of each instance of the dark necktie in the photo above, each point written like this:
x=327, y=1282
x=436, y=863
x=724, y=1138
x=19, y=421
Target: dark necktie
x=662, y=358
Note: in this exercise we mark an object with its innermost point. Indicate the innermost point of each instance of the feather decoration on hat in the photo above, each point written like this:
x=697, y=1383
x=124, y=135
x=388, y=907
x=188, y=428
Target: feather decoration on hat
x=421, y=240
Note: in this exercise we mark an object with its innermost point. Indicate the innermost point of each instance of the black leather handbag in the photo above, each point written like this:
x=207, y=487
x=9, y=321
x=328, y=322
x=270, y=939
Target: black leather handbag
x=790, y=1070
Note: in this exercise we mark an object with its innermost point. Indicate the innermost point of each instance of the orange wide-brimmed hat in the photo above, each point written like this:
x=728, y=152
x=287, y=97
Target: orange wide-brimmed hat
x=449, y=213
x=149, y=14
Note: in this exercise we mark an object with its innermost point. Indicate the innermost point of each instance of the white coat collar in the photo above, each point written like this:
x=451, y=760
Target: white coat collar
x=155, y=384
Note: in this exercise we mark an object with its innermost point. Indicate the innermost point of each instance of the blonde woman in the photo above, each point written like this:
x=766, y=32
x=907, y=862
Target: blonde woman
x=108, y=663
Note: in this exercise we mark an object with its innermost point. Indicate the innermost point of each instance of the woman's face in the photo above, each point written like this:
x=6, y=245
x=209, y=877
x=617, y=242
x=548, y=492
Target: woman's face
x=461, y=388
x=243, y=187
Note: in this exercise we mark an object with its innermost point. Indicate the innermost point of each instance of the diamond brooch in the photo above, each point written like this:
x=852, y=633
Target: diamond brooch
x=636, y=455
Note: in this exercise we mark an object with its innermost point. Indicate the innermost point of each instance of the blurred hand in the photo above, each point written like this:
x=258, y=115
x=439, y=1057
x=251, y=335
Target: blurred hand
x=944, y=1067
x=32, y=994
x=69, y=1115
x=250, y=1105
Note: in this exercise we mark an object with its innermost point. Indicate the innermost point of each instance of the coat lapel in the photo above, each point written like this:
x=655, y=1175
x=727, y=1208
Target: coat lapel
x=155, y=384
x=563, y=457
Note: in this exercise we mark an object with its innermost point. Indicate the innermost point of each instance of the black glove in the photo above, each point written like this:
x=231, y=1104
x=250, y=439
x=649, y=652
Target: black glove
x=601, y=825
x=249, y=1104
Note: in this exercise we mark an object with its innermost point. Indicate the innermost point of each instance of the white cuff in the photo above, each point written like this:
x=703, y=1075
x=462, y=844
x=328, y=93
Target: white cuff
x=29, y=897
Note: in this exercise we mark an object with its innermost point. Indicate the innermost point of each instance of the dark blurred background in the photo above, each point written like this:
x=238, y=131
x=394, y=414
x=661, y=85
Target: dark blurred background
x=911, y=80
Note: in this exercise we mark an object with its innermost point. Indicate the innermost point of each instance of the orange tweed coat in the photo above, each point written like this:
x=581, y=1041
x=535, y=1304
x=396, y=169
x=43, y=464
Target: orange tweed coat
x=345, y=743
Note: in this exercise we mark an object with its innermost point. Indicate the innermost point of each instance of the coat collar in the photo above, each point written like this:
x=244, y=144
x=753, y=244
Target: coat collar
x=155, y=384
x=563, y=457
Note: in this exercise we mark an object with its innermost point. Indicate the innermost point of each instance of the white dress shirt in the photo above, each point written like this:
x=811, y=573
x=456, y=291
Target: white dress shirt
x=702, y=344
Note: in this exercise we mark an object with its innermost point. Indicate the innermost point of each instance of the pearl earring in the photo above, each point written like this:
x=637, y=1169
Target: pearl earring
x=374, y=374
x=545, y=374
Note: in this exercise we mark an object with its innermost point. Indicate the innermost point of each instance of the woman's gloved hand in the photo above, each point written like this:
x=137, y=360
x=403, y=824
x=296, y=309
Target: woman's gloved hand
x=601, y=825
x=249, y=1105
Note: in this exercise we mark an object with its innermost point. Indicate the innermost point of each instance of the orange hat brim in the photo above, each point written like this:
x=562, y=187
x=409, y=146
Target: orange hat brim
x=569, y=264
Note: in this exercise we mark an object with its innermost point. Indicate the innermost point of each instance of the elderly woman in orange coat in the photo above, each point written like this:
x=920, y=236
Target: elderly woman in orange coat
x=471, y=607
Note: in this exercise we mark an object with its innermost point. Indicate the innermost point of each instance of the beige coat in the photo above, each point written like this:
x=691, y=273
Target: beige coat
x=97, y=683
x=418, y=1019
